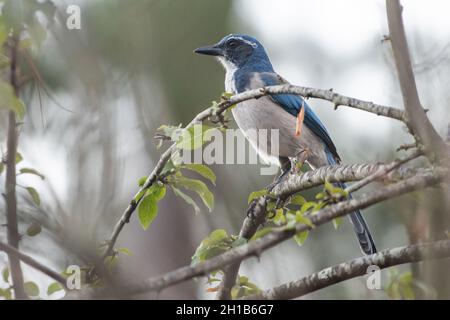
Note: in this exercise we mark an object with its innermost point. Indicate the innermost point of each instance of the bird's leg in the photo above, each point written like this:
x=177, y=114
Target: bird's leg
x=285, y=166
x=299, y=161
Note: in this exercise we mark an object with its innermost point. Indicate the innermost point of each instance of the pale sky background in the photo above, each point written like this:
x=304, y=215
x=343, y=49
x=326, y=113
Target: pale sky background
x=343, y=29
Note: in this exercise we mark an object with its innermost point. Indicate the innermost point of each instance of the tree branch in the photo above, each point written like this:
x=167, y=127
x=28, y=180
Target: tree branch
x=293, y=184
x=10, y=182
x=416, y=118
x=256, y=247
x=338, y=173
x=215, y=112
x=355, y=268
x=11, y=251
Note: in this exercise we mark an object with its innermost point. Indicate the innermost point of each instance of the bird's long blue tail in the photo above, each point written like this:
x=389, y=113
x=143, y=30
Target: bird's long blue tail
x=359, y=225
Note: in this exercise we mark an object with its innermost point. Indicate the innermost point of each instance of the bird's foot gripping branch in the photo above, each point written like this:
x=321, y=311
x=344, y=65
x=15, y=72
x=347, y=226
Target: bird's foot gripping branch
x=219, y=255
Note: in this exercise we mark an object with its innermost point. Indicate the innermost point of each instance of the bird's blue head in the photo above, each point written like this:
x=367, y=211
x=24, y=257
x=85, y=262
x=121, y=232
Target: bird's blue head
x=237, y=51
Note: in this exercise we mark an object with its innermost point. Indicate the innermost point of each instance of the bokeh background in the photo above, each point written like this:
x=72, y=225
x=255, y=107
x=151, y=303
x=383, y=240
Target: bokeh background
x=131, y=69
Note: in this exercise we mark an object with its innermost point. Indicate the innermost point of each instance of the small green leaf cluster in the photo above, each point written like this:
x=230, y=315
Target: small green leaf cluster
x=243, y=287
x=31, y=288
x=403, y=286
x=173, y=177
x=216, y=243
x=296, y=210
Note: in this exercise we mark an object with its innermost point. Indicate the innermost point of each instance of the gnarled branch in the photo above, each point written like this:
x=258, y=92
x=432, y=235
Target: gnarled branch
x=256, y=247
x=365, y=173
x=355, y=268
x=217, y=111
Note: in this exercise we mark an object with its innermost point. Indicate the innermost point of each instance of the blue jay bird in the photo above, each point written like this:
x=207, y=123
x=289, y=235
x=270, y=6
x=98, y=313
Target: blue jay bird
x=248, y=67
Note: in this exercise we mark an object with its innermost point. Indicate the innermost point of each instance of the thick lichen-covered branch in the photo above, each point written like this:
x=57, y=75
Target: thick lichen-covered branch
x=365, y=173
x=256, y=247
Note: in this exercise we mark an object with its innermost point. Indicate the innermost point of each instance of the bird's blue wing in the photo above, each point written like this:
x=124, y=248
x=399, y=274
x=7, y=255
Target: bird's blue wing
x=292, y=104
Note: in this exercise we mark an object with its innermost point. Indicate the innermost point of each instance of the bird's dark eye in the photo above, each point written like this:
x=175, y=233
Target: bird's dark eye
x=232, y=44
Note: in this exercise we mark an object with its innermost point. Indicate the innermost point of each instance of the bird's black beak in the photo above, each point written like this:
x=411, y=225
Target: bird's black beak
x=210, y=50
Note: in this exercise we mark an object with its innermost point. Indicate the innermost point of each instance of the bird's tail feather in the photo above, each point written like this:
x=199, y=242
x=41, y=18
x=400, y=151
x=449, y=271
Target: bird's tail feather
x=361, y=229
x=359, y=225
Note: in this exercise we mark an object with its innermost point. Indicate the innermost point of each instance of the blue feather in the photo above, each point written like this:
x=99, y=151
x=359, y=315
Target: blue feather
x=292, y=104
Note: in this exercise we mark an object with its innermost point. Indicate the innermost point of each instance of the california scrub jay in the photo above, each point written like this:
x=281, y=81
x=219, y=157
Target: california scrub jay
x=248, y=67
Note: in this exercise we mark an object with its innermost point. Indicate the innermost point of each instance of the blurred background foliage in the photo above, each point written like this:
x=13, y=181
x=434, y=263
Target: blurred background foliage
x=105, y=89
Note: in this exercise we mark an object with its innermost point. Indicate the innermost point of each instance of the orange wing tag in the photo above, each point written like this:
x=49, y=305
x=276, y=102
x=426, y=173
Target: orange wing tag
x=300, y=118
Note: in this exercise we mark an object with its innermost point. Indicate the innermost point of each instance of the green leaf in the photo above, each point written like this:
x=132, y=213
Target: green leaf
x=320, y=196
x=298, y=200
x=243, y=288
x=239, y=242
x=9, y=100
x=216, y=243
x=243, y=280
x=32, y=171
x=337, y=222
x=279, y=218
x=54, y=287
x=171, y=131
x=217, y=236
x=300, y=218
x=202, y=170
x=186, y=198
x=34, y=229
x=147, y=210
x=300, y=237
x=237, y=292
x=194, y=137
x=19, y=157
x=125, y=251
x=34, y=195
x=2, y=167
x=139, y=196
x=158, y=190
x=227, y=95
x=5, y=274
x=261, y=233
x=141, y=181
x=329, y=187
x=6, y=293
x=31, y=289
x=197, y=186
x=307, y=206
x=256, y=194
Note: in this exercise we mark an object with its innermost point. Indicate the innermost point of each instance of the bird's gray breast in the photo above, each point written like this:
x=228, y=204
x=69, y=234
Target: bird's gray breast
x=253, y=115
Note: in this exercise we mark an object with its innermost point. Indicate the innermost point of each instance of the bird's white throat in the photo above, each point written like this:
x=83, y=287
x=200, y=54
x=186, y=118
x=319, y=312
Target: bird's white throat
x=230, y=69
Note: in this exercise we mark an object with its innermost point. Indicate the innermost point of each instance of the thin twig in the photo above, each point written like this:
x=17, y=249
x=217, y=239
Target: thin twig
x=11, y=251
x=382, y=172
